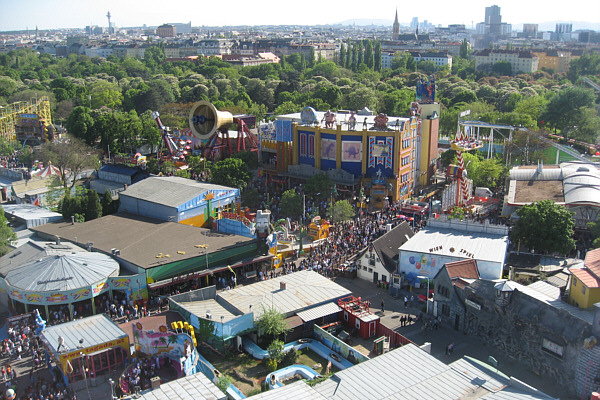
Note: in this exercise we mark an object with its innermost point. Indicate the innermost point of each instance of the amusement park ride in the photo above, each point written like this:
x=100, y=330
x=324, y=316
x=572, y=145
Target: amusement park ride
x=27, y=121
x=210, y=127
x=463, y=142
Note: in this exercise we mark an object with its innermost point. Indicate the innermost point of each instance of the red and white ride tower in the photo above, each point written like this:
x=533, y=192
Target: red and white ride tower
x=463, y=142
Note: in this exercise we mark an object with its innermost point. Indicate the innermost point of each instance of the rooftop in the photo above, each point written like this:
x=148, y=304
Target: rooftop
x=304, y=289
x=141, y=240
x=586, y=277
x=31, y=251
x=31, y=215
x=191, y=387
x=526, y=192
x=463, y=269
x=592, y=261
x=454, y=243
x=95, y=330
x=387, y=245
x=170, y=191
x=63, y=272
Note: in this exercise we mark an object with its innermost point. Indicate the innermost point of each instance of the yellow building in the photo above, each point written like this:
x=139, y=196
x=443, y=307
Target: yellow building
x=554, y=60
x=428, y=149
x=373, y=152
x=585, y=282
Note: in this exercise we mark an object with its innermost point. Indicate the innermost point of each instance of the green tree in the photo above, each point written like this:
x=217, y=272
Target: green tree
x=276, y=350
x=223, y=383
x=71, y=157
x=109, y=205
x=7, y=236
x=457, y=213
x=250, y=197
x=271, y=323
x=503, y=68
x=342, y=55
x=93, y=207
x=464, y=49
x=250, y=158
x=231, y=172
x=319, y=186
x=594, y=228
x=291, y=203
x=546, y=227
x=80, y=124
x=342, y=211
x=369, y=61
x=377, y=57
x=562, y=110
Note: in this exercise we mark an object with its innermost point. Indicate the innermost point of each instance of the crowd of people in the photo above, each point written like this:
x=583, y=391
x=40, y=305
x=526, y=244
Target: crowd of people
x=138, y=375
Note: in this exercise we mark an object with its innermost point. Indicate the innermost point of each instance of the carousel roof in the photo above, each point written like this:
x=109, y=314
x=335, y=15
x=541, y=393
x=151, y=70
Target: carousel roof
x=63, y=272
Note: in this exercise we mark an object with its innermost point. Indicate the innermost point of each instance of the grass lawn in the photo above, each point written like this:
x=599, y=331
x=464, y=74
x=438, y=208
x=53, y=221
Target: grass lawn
x=256, y=370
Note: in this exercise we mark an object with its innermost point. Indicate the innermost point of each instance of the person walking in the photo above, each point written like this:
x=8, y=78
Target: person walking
x=405, y=302
x=382, y=306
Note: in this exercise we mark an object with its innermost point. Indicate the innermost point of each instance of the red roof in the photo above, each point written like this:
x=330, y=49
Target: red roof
x=463, y=269
x=586, y=277
x=592, y=261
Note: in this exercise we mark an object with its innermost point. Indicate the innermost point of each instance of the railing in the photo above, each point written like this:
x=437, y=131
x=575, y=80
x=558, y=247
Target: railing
x=236, y=217
x=396, y=339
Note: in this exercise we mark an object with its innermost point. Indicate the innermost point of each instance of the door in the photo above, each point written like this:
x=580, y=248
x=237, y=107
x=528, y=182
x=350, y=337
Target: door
x=456, y=322
x=372, y=329
x=375, y=277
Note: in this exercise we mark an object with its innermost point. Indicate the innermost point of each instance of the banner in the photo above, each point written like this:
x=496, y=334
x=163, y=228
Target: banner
x=339, y=346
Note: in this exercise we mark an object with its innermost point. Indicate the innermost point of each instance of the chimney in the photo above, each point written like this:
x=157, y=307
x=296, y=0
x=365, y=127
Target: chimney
x=72, y=220
x=57, y=239
x=282, y=285
x=125, y=186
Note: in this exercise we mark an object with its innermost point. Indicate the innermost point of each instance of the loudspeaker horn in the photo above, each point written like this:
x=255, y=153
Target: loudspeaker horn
x=205, y=119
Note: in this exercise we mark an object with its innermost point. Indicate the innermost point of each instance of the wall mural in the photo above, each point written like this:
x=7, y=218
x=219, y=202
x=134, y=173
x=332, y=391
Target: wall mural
x=351, y=151
x=328, y=149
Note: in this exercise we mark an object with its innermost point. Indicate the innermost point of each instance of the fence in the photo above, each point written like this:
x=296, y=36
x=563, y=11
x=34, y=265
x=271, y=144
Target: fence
x=396, y=339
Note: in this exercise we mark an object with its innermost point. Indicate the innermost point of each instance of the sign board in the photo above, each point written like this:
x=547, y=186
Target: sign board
x=464, y=113
x=473, y=304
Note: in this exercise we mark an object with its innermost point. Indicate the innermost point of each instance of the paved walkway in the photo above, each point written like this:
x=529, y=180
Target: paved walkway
x=440, y=338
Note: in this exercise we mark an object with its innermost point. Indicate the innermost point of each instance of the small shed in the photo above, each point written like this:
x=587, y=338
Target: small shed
x=358, y=315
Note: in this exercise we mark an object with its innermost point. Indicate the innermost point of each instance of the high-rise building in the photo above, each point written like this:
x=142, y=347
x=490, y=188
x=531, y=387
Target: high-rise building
x=564, y=28
x=493, y=19
x=414, y=24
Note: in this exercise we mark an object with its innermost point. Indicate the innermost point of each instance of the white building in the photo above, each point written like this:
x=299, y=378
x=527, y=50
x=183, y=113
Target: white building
x=520, y=61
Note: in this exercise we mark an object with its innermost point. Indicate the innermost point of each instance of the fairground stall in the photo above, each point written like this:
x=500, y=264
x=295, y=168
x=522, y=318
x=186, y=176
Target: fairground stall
x=86, y=348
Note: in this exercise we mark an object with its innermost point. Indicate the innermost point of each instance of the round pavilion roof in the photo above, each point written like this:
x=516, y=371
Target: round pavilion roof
x=63, y=272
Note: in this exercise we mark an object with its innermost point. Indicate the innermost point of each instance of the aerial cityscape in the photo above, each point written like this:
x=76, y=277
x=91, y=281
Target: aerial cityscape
x=299, y=202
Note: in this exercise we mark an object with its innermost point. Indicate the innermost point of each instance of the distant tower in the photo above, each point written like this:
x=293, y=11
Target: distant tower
x=108, y=16
x=36, y=32
x=396, y=27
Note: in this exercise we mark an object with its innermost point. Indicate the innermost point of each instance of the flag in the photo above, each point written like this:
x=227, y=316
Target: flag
x=35, y=200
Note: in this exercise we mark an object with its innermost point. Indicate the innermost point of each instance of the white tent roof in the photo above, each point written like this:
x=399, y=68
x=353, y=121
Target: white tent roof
x=49, y=170
x=63, y=272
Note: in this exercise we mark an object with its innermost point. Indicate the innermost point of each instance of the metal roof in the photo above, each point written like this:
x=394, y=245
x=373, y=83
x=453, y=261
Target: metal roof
x=31, y=215
x=95, y=330
x=417, y=375
x=304, y=289
x=298, y=390
x=483, y=246
x=581, y=184
x=512, y=393
x=192, y=387
x=63, y=272
x=31, y=251
x=203, y=307
x=170, y=191
x=320, y=311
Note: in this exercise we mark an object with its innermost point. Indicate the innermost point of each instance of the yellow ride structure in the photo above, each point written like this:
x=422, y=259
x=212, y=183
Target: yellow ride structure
x=14, y=115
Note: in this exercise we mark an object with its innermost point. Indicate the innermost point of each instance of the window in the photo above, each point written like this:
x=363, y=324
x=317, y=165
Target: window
x=552, y=347
x=583, y=290
x=370, y=269
x=574, y=282
x=372, y=262
x=357, y=324
x=383, y=278
x=345, y=315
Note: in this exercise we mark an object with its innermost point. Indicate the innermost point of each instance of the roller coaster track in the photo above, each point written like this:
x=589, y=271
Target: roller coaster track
x=591, y=83
x=9, y=115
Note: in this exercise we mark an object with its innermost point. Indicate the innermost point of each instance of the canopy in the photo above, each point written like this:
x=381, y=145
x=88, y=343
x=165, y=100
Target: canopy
x=49, y=170
x=63, y=272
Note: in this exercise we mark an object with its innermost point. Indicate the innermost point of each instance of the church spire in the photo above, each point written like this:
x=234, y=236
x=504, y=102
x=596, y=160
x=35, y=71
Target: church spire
x=396, y=27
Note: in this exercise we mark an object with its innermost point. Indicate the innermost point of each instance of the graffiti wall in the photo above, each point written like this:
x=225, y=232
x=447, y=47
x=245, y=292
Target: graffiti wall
x=338, y=346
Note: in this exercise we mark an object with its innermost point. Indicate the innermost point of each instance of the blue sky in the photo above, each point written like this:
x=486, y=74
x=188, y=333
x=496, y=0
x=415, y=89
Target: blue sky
x=47, y=14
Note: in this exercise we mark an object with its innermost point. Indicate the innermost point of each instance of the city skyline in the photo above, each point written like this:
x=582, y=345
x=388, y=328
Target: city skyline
x=27, y=14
